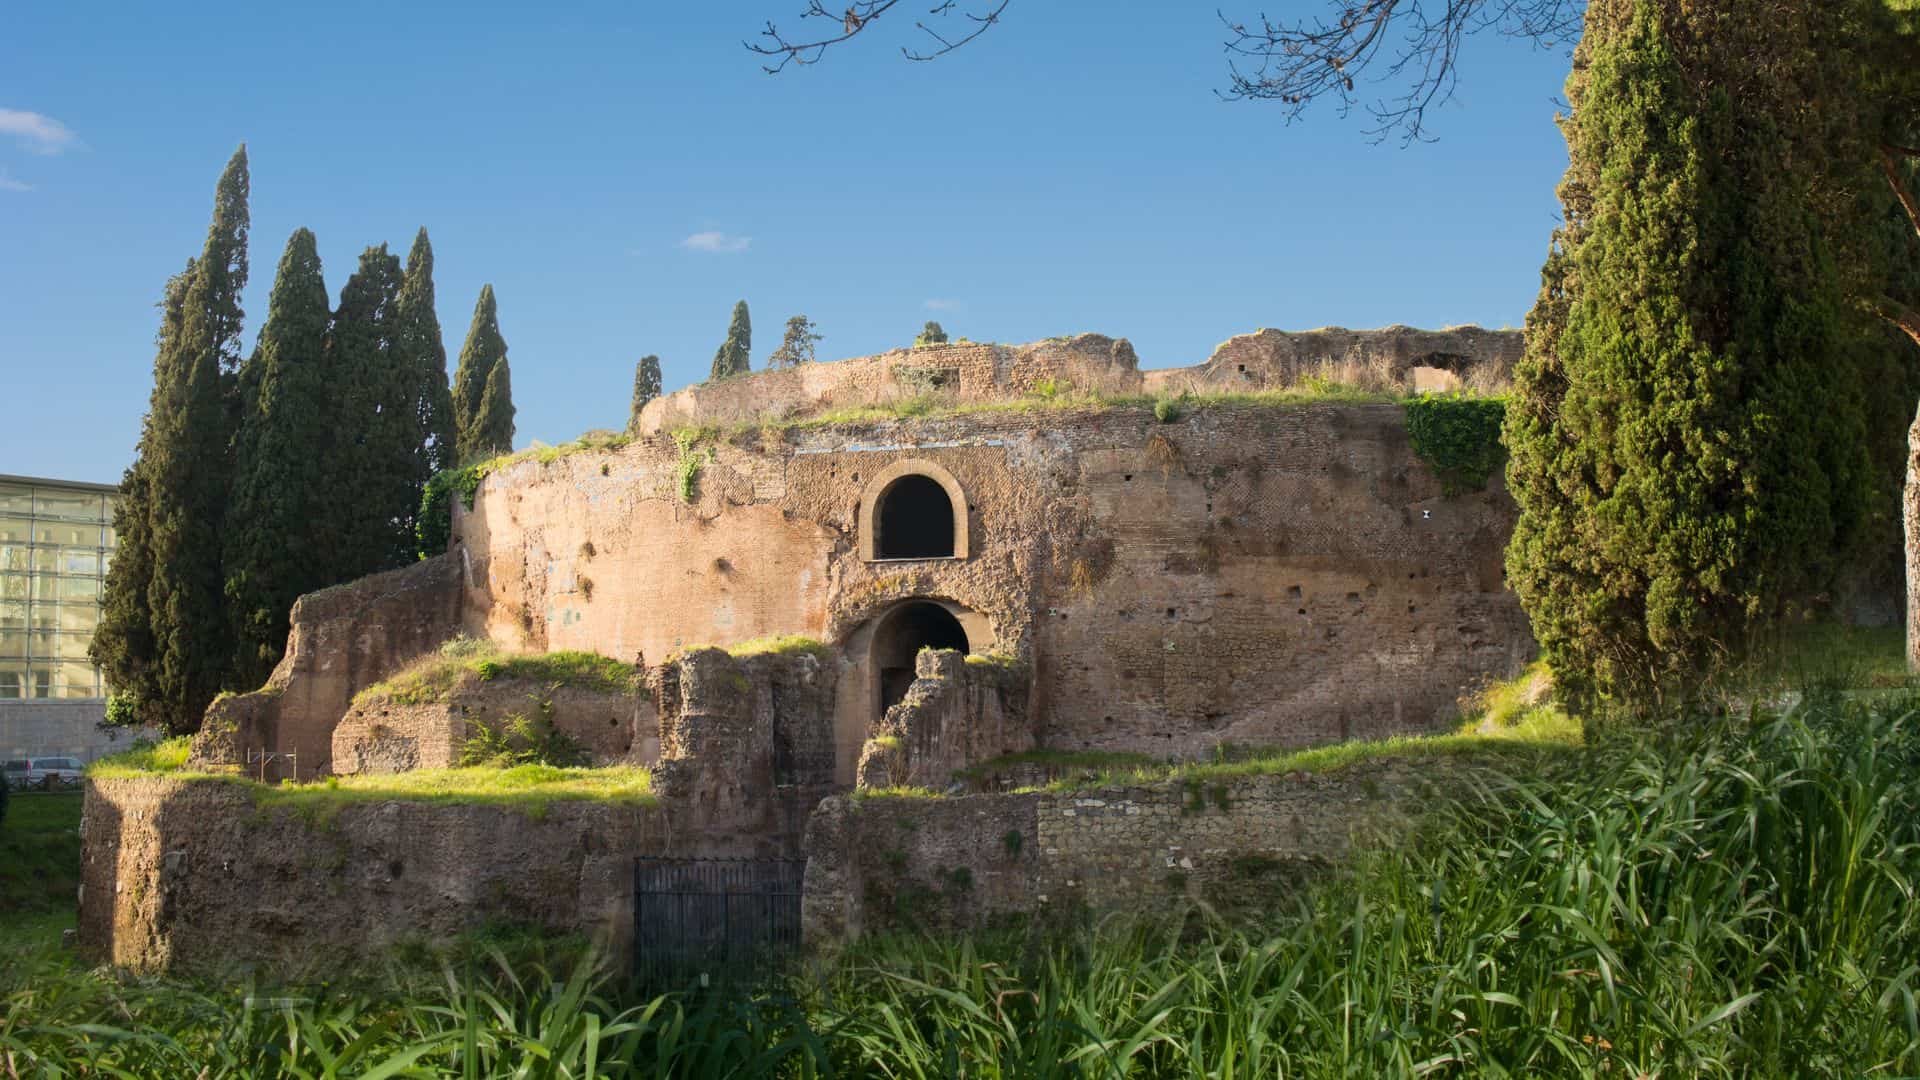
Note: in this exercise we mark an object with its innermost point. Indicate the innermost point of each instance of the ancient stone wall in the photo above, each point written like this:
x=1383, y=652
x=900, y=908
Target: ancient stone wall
x=1249, y=574
x=955, y=714
x=1381, y=358
x=964, y=372
x=192, y=875
x=380, y=735
x=884, y=863
x=344, y=640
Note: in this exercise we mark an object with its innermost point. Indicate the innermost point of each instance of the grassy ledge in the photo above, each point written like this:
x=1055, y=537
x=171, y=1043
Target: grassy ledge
x=436, y=676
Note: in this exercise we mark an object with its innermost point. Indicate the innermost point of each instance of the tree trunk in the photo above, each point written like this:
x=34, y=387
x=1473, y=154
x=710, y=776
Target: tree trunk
x=1911, y=517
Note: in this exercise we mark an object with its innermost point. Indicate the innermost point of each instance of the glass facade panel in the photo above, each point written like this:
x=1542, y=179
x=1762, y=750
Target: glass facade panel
x=70, y=505
x=55, y=545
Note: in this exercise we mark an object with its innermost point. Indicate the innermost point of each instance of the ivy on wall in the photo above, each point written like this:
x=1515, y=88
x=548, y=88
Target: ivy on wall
x=1458, y=437
x=435, y=525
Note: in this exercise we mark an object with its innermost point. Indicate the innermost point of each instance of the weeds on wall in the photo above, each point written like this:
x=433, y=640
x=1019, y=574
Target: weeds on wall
x=1458, y=437
x=523, y=740
x=686, y=473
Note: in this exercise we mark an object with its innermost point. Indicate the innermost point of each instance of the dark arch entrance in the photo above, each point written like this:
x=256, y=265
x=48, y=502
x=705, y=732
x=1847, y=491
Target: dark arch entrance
x=915, y=520
x=902, y=633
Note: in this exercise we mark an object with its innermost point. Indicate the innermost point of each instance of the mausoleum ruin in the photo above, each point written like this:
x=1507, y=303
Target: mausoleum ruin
x=879, y=573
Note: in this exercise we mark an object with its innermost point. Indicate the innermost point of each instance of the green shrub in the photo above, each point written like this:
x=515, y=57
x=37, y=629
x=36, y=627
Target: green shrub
x=523, y=740
x=1458, y=437
x=1166, y=409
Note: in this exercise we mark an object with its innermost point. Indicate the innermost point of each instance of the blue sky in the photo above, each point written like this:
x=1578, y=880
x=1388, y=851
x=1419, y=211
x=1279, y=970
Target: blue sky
x=1070, y=171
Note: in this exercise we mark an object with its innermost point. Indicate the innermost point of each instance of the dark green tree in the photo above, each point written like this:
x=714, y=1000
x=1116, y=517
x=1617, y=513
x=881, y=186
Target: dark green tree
x=493, y=426
x=123, y=645
x=1686, y=437
x=282, y=486
x=483, y=349
x=796, y=347
x=374, y=424
x=423, y=350
x=931, y=334
x=646, y=387
x=187, y=468
x=733, y=356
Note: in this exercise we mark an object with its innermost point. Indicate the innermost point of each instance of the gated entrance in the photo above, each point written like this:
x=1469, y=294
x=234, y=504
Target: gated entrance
x=718, y=918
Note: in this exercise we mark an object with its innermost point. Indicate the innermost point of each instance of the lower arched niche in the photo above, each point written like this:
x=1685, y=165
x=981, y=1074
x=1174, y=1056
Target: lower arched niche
x=880, y=654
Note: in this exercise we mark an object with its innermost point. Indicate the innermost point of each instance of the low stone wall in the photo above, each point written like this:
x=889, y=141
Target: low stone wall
x=344, y=639
x=193, y=875
x=379, y=735
x=973, y=861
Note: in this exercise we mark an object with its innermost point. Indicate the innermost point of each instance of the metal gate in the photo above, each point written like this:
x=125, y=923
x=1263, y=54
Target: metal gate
x=713, y=918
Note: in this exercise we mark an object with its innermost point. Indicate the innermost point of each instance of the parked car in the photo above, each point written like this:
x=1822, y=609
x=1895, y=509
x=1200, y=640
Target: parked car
x=55, y=772
x=15, y=771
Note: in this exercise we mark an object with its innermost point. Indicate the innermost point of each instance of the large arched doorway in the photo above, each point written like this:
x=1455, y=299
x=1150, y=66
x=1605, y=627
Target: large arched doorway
x=914, y=519
x=898, y=639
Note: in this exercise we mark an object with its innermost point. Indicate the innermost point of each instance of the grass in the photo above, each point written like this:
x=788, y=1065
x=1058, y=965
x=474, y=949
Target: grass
x=464, y=660
x=145, y=759
x=1730, y=897
x=1515, y=717
x=782, y=645
x=39, y=855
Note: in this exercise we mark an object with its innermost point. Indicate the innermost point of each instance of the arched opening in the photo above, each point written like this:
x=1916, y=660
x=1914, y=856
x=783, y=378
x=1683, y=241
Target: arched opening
x=915, y=520
x=900, y=636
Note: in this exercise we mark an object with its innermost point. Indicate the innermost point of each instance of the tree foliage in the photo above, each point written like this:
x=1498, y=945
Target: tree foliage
x=1687, y=438
x=187, y=468
x=796, y=347
x=483, y=349
x=376, y=432
x=493, y=425
x=273, y=551
x=931, y=334
x=421, y=351
x=646, y=387
x=733, y=356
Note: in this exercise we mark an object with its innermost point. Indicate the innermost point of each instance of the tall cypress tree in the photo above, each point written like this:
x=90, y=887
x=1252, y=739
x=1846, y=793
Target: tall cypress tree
x=493, y=425
x=373, y=421
x=646, y=387
x=281, y=484
x=123, y=645
x=1685, y=437
x=421, y=351
x=483, y=349
x=733, y=356
x=188, y=469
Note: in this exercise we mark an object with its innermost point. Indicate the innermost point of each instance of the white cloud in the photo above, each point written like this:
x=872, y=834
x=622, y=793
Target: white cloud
x=942, y=305
x=716, y=243
x=41, y=134
x=8, y=183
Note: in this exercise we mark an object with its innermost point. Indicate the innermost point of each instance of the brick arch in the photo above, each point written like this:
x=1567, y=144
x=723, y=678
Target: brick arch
x=877, y=488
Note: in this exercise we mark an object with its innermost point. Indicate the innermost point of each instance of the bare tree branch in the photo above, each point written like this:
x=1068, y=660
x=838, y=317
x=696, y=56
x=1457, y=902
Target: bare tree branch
x=861, y=14
x=1299, y=63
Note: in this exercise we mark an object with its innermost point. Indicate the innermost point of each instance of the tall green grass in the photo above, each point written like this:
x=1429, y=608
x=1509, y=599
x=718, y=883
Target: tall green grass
x=1732, y=898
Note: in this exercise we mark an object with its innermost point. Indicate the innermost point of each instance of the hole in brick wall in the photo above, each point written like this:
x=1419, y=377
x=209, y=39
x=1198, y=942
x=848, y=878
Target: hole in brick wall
x=394, y=868
x=1172, y=612
x=915, y=520
x=1243, y=369
x=1303, y=611
x=1293, y=592
x=1353, y=598
x=1411, y=608
x=1128, y=478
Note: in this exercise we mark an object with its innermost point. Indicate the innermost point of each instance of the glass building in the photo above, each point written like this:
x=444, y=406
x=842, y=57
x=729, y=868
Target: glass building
x=56, y=537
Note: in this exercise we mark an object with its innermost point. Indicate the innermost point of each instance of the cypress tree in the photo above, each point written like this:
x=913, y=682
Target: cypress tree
x=188, y=467
x=421, y=351
x=373, y=424
x=123, y=645
x=281, y=485
x=493, y=426
x=1686, y=457
x=646, y=387
x=483, y=349
x=732, y=358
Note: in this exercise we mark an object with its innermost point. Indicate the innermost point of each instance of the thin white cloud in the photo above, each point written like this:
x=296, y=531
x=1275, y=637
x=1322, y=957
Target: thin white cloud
x=942, y=305
x=40, y=133
x=716, y=243
x=8, y=183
